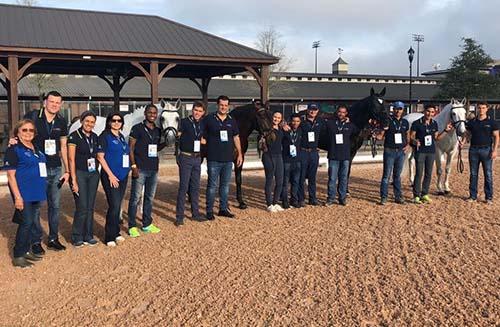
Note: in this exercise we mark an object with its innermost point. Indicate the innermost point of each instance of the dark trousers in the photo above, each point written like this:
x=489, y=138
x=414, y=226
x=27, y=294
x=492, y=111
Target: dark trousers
x=424, y=164
x=53, y=204
x=291, y=176
x=83, y=221
x=114, y=196
x=481, y=156
x=273, y=169
x=309, y=169
x=189, y=180
x=24, y=230
x=393, y=164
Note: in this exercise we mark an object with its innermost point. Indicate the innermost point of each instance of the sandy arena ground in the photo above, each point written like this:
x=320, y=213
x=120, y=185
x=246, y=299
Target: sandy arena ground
x=360, y=265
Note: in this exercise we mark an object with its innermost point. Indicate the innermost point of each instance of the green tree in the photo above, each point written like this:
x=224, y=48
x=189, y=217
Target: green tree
x=467, y=76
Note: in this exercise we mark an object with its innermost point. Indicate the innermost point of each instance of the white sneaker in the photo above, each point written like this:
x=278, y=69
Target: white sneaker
x=111, y=244
x=277, y=207
x=120, y=239
x=271, y=208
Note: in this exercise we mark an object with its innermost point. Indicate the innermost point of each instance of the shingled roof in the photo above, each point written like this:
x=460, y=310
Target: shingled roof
x=32, y=29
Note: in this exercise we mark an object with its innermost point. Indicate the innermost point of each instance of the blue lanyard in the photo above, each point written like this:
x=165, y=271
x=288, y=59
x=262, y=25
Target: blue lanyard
x=147, y=131
x=89, y=140
x=196, y=127
x=340, y=128
x=397, y=127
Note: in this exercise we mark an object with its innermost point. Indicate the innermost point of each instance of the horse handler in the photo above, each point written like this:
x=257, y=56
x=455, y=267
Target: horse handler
x=189, y=162
x=395, y=145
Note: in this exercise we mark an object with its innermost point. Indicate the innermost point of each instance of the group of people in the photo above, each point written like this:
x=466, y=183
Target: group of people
x=42, y=157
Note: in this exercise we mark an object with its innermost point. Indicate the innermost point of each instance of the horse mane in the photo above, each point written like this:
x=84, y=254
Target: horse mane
x=357, y=112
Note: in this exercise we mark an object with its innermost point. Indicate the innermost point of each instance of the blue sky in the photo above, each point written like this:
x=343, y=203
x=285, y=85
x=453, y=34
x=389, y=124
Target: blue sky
x=375, y=35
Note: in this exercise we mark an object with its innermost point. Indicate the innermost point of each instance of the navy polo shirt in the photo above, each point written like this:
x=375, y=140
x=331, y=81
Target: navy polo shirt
x=289, y=138
x=114, y=148
x=481, y=131
x=86, y=148
x=422, y=130
x=144, y=136
x=311, y=126
x=191, y=131
x=275, y=147
x=340, y=151
x=396, y=126
x=44, y=131
x=217, y=149
x=25, y=162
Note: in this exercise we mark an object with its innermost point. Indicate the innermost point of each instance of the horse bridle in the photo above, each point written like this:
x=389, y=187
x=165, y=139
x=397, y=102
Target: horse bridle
x=460, y=162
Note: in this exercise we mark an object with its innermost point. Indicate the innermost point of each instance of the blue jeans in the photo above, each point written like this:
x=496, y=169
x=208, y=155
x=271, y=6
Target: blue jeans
x=189, y=180
x=53, y=201
x=24, y=231
x=340, y=169
x=273, y=169
x=291, y=175
x=83, y=222
x=114, y=197
x=481, y=156
x=218, y=172
x=309, y=169
x=147, y=180
x=393, y=164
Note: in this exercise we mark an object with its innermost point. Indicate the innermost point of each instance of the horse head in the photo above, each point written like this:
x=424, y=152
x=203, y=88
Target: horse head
x=458, y=115
x=264, y=118
x=375, y=107
x=169, y=119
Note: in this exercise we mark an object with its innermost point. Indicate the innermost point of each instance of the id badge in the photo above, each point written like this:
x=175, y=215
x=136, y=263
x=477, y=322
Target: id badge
x=196, y=146
x=293, y=150
x=339, y=138
x=428, y=140
x=50, y=147
x=223, y=136
x=91, y=165
x=125, y=161
x=398, y=138
x=311, y=136
x=152, y=150
x=43, y=169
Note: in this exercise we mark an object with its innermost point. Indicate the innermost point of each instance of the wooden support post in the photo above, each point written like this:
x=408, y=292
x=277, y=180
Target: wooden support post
x=12, y=90
x=153, y=72
x=203, y=87
x=264, y=86
x=116, y=86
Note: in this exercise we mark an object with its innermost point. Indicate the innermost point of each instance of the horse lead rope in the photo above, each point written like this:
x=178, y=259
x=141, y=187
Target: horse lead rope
x=460, y=161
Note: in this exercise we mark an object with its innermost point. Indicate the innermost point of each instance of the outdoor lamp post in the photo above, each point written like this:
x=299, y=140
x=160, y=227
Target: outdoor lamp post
x=411, y=53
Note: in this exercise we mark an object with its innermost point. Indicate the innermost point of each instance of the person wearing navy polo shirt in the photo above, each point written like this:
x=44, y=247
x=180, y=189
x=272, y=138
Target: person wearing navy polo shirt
x=189, y=162
x=424, y=134
x=291, y=162
x=339, y=154
x=27, y=176
x=84, y=168
x=51, y=138
x=221, y=136
x=484, y=138
x=144, y=142
x=311, y=128
x=396, y=137
x=272, y=159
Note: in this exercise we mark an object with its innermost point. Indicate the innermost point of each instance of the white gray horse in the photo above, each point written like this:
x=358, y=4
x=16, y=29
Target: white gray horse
x=447, y=147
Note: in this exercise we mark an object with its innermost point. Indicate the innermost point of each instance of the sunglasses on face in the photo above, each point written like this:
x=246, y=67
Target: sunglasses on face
x=26, y=130
x=116, y=120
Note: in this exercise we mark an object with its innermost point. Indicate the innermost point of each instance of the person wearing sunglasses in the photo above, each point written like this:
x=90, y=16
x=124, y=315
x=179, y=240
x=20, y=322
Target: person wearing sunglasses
x=396, y=137
x=27, y=177
x=113, y=155
x=82, y=157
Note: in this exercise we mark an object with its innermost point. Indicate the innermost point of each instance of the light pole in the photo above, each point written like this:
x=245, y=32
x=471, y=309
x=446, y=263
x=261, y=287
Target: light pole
x=315, y=46
x=418, y=38
x=411, y=52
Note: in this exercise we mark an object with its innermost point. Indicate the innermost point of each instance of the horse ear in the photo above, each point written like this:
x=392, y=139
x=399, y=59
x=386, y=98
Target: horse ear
x=372, y=91
x=464, y=100
x=383, y=92
x=162, y=103
x=178, y=104
x=452, y=100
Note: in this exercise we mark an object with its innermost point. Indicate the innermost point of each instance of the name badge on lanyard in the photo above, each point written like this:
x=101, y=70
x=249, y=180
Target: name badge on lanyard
x=339, y=138
x=50, y=147
x=398, y=138
x=196, y=146
x=223, y=136
x=125, y=161
x=293, y=150
x=428, y=140
x=152, y=150
x=42, y=167
x=91, y=165
x=311, y=136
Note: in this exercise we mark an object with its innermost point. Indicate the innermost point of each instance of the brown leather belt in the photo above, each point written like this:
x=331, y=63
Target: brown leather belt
x=191, y=154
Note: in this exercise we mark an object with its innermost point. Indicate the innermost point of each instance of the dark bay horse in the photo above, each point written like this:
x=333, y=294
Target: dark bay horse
x=249, y=118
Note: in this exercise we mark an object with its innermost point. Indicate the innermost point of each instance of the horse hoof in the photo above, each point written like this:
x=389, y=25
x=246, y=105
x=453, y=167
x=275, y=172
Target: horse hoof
x=242, y=206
